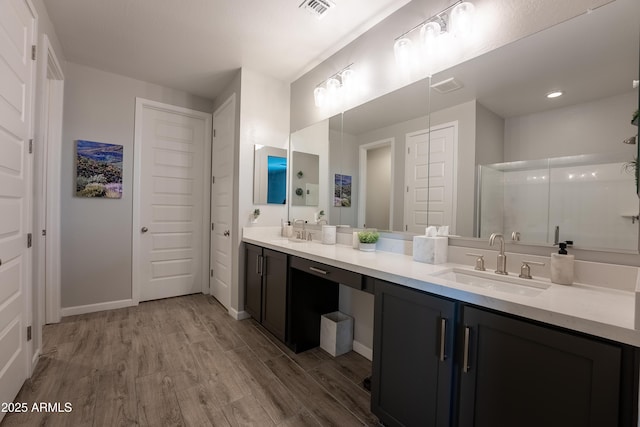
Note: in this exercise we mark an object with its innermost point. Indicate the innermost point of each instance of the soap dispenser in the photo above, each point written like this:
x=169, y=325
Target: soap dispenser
x=562, y=265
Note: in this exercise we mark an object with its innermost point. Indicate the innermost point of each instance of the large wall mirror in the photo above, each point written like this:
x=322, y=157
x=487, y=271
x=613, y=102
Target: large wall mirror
x=500, y=155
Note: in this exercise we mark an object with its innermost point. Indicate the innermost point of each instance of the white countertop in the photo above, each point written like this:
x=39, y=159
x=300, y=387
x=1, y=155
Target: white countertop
x=603, y=312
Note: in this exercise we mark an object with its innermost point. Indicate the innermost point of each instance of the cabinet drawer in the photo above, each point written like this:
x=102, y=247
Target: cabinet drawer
x=328, y=272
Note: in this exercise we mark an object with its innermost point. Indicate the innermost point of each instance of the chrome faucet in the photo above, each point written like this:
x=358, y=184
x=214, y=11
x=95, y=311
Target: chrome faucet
x=501, y=264
x=303, y=233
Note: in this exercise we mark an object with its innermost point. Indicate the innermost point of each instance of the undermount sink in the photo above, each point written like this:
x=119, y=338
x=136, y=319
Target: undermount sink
x=489, y=280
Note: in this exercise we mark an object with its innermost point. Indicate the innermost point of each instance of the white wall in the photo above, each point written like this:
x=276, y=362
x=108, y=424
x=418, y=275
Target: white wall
x=589, y=128
x=313, y=140
x=263, y=119
x=96, y=233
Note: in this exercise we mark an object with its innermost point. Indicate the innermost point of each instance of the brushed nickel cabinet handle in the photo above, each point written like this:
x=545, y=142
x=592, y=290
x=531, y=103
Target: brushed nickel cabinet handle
x=465, y=359
x=443, y=333
x=317, y=270
x=259, y=264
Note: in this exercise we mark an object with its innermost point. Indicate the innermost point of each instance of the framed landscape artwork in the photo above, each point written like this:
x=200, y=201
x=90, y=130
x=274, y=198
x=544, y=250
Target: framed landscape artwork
x=98, y=169
x=342, y=192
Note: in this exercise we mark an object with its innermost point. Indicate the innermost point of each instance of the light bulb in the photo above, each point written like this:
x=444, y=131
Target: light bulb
x=402, y=50
x=429, y=34
x=320, y=96
x=461, y=19
x=348, y=78
x=333, y=91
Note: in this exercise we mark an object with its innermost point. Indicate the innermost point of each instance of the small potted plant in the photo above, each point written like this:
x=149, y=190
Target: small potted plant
x=368, y=239
x=255, y=215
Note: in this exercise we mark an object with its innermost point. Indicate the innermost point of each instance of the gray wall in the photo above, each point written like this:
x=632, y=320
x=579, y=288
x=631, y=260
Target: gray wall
x=96, y=233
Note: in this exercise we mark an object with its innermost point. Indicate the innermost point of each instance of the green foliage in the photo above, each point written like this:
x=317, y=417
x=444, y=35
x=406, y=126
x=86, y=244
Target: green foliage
x=368, y=236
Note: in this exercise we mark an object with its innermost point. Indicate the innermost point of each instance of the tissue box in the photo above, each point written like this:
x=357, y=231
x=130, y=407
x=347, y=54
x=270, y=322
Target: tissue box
x=432, y=250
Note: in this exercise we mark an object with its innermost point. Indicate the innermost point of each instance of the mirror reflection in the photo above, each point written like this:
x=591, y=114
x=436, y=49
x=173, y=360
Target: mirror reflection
x=309, y=172
x=500, y=114
x=269, y=175
x=304, y=179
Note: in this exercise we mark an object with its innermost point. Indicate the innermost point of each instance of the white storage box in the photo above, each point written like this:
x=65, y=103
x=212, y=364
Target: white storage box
x=336, y=333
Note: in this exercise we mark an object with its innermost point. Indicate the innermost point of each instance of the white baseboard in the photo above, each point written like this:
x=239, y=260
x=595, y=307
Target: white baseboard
x=34, y=361
x=92, y=308
x=238, y=315
x=362, y=350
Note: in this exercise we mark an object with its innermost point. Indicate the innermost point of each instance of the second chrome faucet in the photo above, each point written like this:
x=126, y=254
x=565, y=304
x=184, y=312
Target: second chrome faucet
x=501, y=264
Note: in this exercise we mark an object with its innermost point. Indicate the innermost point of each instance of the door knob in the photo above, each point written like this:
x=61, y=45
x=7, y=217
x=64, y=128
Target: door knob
x=144, y=229
x=226, y=233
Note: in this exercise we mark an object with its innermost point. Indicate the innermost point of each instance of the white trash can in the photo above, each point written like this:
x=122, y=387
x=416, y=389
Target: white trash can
x=336, y=333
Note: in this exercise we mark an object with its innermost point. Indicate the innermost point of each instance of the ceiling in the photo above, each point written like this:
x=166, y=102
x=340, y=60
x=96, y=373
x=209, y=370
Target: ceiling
x=198, y=45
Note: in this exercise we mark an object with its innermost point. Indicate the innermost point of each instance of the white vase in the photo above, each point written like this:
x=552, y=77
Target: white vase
x=368, y=247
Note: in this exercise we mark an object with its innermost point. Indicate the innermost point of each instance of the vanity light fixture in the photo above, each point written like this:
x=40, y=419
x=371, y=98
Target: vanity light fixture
x=555, y=94
x=456, y=19
x=332, y=90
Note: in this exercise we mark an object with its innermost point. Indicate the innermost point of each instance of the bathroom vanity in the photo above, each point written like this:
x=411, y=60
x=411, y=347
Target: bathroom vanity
x=448, y=352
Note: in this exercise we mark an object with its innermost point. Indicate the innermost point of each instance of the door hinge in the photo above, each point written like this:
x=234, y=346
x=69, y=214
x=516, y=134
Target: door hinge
x=407, y=188
x=408, y=150
x=30, y=146
x=213, y=227
x=29, y=240
x=211, y=275
x=406, y=228
x=28, y=333
x=33, y=52
x=214, y=133
x=44, y=232
x=213, y=179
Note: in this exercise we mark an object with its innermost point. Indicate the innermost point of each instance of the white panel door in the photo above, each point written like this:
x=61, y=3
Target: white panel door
x=17, y=27
x=430, y=179
x=171, y=144
x=222, y=201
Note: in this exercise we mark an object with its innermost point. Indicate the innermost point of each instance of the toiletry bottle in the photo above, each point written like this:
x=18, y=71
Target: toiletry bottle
x=562, y=265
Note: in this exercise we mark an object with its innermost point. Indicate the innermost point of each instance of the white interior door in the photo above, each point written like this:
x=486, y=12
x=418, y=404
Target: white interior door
x=171, y=196
x=17, y=28
x=430, y=179
x=222, y=201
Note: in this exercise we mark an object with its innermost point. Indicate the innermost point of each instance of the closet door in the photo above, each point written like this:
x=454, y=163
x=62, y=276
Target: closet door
x=17, y=29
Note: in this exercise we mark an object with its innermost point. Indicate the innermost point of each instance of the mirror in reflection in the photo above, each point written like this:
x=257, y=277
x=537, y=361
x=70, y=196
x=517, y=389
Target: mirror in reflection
x=269, y=175
x=304, y=179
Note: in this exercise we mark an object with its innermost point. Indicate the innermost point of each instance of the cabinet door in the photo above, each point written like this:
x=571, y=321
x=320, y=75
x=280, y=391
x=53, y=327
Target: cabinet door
x=522, y=374
x=412, y=357
x=274, y=293
x=253, y=281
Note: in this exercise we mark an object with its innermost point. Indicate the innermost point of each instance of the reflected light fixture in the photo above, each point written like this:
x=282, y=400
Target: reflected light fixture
x=456, y=19
x=335, y=88
x=554, y=94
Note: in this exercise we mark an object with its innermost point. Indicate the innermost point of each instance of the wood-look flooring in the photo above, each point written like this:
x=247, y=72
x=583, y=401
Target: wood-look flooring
x=185, y=362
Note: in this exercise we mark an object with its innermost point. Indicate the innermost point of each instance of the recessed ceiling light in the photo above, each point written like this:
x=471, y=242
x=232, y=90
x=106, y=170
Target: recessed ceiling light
x=554, y=94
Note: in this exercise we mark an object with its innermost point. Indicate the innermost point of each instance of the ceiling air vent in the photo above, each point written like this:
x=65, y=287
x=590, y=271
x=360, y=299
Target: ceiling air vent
x=317, y=8
x=448, y=85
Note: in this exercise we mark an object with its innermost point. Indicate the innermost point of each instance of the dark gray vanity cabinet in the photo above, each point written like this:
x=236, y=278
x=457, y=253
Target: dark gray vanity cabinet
x=413, y=357
x=516, y=372
x=439, y=362
x=266, y=288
